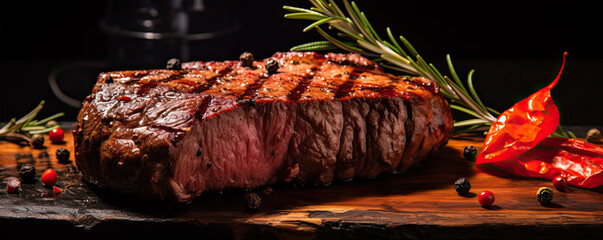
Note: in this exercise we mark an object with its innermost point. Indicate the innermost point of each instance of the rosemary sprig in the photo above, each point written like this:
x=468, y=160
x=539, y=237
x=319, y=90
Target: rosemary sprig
x=356, y=34
x=19, y=131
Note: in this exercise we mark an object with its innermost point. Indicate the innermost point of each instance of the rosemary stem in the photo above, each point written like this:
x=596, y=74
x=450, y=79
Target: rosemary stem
x=471, y=122
x=394, y=54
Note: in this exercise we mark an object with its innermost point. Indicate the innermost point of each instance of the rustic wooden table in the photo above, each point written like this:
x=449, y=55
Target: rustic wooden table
x=420, y=204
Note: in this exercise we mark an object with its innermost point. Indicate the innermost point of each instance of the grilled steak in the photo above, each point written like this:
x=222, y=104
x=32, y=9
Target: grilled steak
x=172, y=134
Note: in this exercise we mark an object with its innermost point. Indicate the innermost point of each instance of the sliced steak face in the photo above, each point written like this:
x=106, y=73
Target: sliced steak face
x=173, y=134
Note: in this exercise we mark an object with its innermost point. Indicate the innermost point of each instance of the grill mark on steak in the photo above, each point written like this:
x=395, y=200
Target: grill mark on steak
x=202, y=109
x=176, y=76
x=428, y=85
x=345, y=88
x=208, y=84
x=251, y=91
x=303, y=86
x=388, y=90
x=212, y=81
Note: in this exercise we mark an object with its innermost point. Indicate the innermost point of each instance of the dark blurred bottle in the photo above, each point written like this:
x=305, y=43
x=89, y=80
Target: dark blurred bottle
x=146, y=33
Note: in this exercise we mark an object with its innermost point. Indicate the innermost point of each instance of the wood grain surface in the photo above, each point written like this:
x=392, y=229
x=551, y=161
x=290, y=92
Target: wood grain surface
x=418, y=204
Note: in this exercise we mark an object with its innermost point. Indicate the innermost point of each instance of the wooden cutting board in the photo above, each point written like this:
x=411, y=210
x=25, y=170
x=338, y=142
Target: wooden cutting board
x=421, y=203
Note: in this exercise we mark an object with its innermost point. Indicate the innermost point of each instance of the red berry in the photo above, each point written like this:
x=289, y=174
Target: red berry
x=49, y=177
x=56, y=135
x=12, y=185
x=559, y=182
x=57, y=190
x=485, y=198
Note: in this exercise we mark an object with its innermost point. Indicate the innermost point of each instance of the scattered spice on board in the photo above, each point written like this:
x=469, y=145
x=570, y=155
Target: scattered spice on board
x=252, y=201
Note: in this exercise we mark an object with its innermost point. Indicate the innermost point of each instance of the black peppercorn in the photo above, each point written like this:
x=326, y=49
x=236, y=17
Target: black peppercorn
x=37, y=141
x=594, y=136
x=462, y=186
x=469, y=153
x=272, y=66
x=246, y=59
x=27, y=172
x=544, y=196
x=251, y=102
x=63, y=155
x=174, y=64
x=252, y=201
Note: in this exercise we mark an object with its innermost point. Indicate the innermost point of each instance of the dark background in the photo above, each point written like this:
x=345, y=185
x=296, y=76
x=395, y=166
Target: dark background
x=514, y=47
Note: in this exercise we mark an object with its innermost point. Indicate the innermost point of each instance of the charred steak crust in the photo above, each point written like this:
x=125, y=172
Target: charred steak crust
x=172, y=134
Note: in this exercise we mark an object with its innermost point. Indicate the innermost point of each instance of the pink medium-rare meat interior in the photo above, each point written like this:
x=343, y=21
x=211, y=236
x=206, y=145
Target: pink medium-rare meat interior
x=243, y=148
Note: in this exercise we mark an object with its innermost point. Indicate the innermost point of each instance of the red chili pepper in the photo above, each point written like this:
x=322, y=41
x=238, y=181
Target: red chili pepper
x=518, y=145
